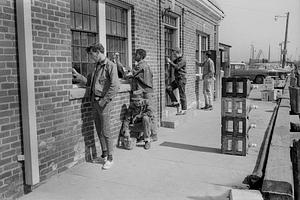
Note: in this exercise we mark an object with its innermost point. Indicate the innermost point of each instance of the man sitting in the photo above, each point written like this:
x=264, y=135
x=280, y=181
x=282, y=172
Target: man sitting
x=139, y=118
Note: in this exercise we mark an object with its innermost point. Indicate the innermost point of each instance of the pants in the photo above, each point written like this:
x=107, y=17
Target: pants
x=143, y=125
x=208, y=90
x=102, y=123
x=150, y=97
x=180, y=84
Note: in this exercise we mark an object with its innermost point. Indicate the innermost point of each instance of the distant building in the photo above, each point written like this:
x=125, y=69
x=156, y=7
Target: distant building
x=47, y=118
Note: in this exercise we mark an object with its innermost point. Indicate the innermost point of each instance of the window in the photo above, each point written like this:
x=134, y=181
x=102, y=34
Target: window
x=170, y=20
x=117, y=32
x=202, y=45
x=84, y=28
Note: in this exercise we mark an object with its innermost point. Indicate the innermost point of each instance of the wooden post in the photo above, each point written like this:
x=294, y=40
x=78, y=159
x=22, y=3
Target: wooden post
x=24, y=27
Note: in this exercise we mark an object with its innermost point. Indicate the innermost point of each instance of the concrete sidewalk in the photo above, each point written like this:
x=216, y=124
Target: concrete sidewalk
x=185, y=163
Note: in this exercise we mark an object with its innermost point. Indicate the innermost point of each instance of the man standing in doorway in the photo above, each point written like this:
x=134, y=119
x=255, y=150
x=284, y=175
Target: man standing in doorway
x=208, y=81
x=104, y=85
x=179, y=65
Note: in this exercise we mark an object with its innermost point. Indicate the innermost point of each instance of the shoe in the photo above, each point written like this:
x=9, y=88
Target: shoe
x=108, y=164
x=205, y=107
x=174, y=104
x=154, y=138
x=104, y=159
x=147, y=145
x=182, y=112
x=209, y=108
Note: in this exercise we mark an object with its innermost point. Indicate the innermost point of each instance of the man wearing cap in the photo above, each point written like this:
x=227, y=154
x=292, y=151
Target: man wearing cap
x=179, y=65
x=139, y=118
x=208, y=80
x=104, y=85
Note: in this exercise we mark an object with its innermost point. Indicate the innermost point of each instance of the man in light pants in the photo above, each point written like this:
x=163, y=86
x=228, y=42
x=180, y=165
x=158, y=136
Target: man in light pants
x=208, y=81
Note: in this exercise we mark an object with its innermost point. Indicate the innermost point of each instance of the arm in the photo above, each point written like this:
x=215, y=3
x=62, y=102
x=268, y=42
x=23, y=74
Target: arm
x=79, y=77
x=179, y=65
x=114, y=83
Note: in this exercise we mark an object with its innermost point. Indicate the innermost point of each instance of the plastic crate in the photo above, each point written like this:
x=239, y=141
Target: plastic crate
x=234, y=145
x=235, y=87
x=234, y=107
x=235, y=126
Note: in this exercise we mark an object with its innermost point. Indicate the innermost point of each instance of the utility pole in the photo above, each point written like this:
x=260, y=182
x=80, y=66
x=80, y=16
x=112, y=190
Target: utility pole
x=285, y=40
x=284, y=51
x=269, y=54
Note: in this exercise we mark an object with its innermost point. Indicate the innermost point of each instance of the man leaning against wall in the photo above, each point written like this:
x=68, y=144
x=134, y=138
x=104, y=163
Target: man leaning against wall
x=104, y=85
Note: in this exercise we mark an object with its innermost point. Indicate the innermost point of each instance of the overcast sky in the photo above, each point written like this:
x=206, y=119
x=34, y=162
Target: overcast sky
x=249, y=22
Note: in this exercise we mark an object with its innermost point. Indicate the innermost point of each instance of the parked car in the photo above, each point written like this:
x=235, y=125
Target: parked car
x=257, y=73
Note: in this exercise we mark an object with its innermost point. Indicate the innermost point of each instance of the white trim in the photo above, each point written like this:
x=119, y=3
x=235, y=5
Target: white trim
x=208, y=5
x=102, y=23
x=102, y=26
x=29, y=129
x=129, y=37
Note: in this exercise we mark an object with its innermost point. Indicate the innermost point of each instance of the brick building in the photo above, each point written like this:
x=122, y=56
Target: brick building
x=44, y=115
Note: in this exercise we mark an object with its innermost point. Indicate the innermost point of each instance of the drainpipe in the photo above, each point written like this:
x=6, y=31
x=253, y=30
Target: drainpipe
x=160, y=65
x=28, y=112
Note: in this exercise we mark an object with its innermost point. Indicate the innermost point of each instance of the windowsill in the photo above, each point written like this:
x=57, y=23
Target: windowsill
x=79, y=92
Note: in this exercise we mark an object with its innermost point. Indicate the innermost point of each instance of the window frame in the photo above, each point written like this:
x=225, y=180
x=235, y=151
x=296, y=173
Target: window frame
x=200, y=51
x=82, y=31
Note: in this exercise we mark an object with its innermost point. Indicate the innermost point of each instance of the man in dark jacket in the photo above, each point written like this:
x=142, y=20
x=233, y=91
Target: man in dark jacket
x=179, y=65
x=104, y=85
x=139, y=118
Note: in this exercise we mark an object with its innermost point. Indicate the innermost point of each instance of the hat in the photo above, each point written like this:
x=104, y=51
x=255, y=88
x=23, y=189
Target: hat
x=208, y=53
x=137, y=95
x=176, y=49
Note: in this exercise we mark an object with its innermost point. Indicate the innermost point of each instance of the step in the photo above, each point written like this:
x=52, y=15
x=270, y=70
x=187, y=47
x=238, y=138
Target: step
x=237, y=194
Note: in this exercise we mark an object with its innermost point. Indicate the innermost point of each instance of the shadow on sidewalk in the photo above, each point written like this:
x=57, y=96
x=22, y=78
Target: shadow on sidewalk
x=190, y=147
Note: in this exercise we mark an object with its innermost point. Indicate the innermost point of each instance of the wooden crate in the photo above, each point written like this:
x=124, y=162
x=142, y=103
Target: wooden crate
x=234, y=145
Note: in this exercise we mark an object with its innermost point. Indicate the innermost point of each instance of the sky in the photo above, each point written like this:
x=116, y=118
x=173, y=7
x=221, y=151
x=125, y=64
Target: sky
x=252, y=22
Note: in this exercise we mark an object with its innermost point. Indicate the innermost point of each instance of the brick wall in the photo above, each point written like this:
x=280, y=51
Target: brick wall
x=65, y=129
x=11, y=177
x=192, y=24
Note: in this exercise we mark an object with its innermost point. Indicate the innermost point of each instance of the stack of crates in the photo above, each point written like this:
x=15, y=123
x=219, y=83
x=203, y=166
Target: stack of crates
x=235, y=115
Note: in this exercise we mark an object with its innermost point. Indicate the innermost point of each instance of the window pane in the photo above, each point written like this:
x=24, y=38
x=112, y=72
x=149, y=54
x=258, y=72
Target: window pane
x=84, y=39
x=76, y=38
x=93, y=7
x=119, y=18
x=92, y=39
x=76, y=54
x=84, y=69
x=113, y=13
x=77, y=5
x=107, y=11
x=108, y=27
x=84, y=55
x=72, y=20
x=114, y=28
x=71, y=5
x=76, y=66
x=85, y=6
x=78, y=21
x=93, y=24
x=86, y=22
x=124, y=17
x=119, y=29
x=124, y=32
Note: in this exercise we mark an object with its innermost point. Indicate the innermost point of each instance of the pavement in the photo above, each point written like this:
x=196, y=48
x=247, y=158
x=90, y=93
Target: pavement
x=185, y=163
